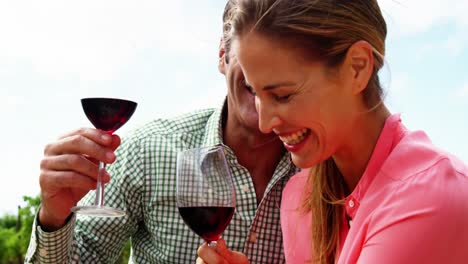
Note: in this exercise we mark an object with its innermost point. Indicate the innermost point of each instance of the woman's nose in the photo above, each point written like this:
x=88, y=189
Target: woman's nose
x=267, y=117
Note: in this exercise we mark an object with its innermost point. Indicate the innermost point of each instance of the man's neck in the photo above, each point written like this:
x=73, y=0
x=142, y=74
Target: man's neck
x=259, y=153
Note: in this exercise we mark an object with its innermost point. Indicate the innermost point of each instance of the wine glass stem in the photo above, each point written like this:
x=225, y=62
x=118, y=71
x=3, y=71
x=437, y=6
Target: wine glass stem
x=100, y=185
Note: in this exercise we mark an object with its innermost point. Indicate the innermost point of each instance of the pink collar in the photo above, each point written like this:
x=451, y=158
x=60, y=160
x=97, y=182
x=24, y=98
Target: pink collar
x=392, y=132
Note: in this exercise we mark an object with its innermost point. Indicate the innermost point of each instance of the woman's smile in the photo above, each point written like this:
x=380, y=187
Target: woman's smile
x=293, y=141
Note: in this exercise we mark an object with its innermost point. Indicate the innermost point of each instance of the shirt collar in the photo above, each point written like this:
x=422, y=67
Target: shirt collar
x=214, y=127
x=214, y=136
x=391, y=134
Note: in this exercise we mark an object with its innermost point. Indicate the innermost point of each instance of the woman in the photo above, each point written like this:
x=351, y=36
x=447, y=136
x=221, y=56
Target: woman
x=375, y=192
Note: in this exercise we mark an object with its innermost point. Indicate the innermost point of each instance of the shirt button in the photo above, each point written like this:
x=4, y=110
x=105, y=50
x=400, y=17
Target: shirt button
x=351, y=203
x=245, y=188
x=253, y=237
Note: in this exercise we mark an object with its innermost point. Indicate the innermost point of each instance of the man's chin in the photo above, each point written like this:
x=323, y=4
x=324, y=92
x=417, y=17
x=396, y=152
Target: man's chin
x=252, y=125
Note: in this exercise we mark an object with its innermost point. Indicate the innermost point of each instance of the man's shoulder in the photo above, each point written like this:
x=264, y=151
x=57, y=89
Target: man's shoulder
x=191, y=122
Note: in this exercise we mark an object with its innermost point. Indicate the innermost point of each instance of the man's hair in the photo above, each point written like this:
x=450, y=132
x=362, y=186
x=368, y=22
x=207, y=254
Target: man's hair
x=227, y=15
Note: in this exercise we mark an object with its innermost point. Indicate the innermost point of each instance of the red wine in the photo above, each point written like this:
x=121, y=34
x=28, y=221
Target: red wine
x=207, y=222
x=108, y=114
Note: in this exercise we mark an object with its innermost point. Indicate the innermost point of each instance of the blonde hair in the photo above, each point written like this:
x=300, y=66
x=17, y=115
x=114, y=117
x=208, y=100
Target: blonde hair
x=323, y=30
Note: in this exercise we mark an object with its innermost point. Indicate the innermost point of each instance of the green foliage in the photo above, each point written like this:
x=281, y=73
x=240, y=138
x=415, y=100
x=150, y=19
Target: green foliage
x=9, y=246
x=15, y=232
x=8, y=221
x=125, y=254
x=27, y=214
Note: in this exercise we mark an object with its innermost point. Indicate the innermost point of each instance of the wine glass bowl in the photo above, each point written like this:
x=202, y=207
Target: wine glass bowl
x=206, y=196
x=107, y=114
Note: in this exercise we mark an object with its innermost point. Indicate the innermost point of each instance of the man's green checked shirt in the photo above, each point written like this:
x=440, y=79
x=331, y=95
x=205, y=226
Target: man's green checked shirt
x=143, y=184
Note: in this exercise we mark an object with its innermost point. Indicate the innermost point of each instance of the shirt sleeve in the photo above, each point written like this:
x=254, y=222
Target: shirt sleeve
x=50, y=247
x=427, y=225
x=95, y=239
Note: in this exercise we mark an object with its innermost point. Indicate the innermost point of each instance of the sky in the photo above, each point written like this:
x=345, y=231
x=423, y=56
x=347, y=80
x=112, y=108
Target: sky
x=163, y=54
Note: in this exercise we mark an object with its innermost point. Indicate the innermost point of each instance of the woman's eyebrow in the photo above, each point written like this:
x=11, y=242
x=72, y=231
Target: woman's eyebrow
x=273, y=86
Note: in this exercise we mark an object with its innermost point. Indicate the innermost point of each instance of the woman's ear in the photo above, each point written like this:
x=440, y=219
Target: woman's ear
x=360, y=58
x=222, y=57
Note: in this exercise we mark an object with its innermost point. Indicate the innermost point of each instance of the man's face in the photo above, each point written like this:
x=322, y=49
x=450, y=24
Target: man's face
x=241, y=101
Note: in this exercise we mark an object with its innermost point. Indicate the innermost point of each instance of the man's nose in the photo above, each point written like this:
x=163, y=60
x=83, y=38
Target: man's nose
x=267, y=117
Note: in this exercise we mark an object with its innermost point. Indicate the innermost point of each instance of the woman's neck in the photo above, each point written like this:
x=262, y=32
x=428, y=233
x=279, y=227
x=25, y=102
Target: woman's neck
x=352, y=159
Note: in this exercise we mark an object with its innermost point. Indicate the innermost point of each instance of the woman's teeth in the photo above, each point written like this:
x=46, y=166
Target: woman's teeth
x=295, y=138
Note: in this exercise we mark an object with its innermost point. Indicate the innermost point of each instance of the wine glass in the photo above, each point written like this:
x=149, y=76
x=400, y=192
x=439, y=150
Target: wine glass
x=107, y=114
x=206, y=196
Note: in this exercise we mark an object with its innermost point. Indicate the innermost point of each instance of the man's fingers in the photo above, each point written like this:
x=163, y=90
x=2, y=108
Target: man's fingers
x=221, y=248
x=220, y=254
x=65, y=179
x=71, y=162
x=238, y=257
x=230, y=256
x=115, y=142
x=209, y=255
x=79, y=144
x=200, y=261
x=96, y=135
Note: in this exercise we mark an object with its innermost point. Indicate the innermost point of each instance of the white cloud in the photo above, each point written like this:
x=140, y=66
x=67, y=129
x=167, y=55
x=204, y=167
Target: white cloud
x=213, y=97
x=416, y=16
x=10, y=103
x=52, y=52
x=456, y=44
x=398, y=91
x=12, y=100
x=22, y=178
x=453, y=46
x=462, y=93
x=400, y=84
x=94, y=40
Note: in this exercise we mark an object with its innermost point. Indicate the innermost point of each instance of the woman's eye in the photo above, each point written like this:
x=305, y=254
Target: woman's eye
x=282, y=98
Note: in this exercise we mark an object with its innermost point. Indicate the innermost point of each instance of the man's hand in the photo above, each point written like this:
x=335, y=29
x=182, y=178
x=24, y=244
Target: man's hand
x=69, y=170
x=219, y=254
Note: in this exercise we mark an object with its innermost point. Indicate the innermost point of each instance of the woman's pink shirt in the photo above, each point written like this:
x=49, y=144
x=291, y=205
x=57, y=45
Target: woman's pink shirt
x=410, y=206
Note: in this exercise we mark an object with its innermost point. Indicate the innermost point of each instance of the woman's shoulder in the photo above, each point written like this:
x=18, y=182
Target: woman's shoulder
x=421, y=180
x=416, y=155
x=419, y=177
x=294, y=190
x=297, y=181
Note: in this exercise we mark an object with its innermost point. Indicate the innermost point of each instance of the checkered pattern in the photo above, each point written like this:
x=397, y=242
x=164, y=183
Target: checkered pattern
x=204, y=179
x=143, y=184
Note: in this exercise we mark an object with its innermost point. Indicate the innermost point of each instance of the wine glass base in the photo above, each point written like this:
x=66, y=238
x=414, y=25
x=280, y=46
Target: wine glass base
x=98, y=211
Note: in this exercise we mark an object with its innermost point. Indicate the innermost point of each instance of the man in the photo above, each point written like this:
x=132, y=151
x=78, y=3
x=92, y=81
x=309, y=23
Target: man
x=143, y=184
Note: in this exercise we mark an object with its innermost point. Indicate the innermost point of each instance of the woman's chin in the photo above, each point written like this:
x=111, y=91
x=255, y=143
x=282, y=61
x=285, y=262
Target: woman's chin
x=302, y=162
